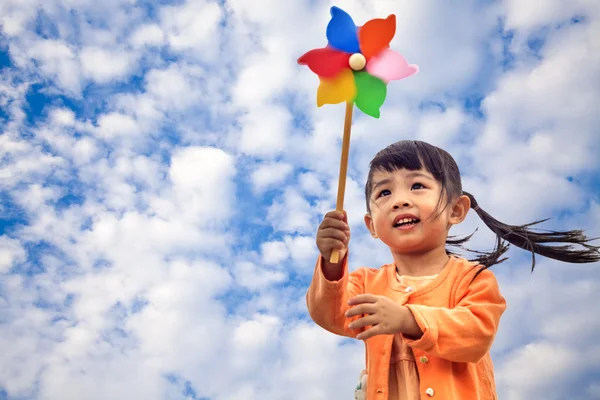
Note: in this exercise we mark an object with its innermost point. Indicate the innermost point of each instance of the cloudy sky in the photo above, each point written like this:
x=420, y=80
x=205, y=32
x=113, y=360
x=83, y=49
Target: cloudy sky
x=164, y=167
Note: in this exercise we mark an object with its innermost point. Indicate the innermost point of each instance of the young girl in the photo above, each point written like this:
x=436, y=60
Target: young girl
x=428, y=319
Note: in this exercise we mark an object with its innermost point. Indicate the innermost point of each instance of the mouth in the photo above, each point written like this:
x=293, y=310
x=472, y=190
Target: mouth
x=405, y=222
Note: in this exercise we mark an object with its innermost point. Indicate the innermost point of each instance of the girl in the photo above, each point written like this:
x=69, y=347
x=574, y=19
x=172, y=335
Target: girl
x=429, y=319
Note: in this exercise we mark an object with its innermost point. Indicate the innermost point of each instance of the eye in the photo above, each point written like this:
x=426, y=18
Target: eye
x=417, y=186
x=384, y=192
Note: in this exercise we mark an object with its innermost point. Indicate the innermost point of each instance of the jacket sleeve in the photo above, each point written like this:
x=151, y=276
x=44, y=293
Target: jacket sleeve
x=327, y=300
x=466, y=332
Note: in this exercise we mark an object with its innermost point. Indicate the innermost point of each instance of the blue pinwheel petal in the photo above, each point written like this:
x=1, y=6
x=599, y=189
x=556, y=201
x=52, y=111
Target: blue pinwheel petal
x=341, y=32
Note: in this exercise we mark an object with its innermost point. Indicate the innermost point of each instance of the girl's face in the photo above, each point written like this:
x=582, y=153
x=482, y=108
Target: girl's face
x=403, y=206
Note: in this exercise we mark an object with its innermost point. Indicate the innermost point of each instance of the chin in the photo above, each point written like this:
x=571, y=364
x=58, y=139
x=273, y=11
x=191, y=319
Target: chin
x=408, y=248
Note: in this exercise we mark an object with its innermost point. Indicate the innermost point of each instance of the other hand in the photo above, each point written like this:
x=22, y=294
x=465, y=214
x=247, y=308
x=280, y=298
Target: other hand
x=382, y=314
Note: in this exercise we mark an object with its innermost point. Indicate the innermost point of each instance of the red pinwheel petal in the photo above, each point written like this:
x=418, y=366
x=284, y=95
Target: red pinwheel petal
x=376, y=35
x=326, y=62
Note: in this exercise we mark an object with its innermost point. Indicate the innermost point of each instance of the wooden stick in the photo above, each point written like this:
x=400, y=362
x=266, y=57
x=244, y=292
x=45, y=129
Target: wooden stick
x=339, y=206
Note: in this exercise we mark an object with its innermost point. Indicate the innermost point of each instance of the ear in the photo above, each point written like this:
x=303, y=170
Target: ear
x=460, y=210
x=370, y=225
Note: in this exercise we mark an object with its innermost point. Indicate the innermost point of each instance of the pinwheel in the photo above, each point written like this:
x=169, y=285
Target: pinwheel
x=355, y=67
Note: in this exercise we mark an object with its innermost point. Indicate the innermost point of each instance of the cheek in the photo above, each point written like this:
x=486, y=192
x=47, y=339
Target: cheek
x=431, y=206
x=379, y=220
x=428, y=211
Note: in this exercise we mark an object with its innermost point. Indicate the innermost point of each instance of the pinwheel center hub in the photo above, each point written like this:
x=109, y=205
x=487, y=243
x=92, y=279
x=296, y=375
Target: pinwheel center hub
x=357, y=61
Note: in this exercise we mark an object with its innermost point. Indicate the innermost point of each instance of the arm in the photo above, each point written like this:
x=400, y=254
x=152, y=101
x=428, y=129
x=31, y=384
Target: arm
x=327, y=300
x=464, y=333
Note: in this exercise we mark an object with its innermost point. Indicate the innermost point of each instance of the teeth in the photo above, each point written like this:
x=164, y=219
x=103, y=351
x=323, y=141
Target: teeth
x=406, y=221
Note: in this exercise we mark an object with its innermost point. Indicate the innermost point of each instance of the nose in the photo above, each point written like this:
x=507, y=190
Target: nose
x=401, y=202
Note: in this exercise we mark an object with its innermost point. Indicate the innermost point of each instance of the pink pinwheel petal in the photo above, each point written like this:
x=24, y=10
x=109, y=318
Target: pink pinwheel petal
x=389, y=65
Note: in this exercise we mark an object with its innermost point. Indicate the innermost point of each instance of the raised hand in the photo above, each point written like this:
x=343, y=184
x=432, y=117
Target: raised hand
x=333, y=233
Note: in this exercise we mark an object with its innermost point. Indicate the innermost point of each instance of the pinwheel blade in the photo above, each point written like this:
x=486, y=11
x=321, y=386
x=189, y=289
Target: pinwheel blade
x=389, y=65
x=326, y=62
x=370, y=93
x=342, y=32
x=337, y=90
x=376, y=35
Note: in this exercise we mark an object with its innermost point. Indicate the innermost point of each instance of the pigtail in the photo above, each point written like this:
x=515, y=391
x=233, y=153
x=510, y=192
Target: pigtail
x=534, y=241
x=487, y=259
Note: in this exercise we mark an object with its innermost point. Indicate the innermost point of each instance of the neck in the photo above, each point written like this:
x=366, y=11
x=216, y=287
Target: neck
x=421, y=264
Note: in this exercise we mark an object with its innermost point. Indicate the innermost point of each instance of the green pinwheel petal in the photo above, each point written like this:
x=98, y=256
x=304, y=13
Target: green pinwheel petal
x=370, y=93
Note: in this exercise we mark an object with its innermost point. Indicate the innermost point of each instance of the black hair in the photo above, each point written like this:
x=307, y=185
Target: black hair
x=416, y=155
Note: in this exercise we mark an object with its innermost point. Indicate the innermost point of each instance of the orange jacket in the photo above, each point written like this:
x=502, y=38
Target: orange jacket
x=459, y=320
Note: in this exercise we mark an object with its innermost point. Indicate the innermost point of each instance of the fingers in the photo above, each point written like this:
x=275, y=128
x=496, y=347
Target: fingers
x=332, y=244
x=336, y=220
x=363, y=298
x=361, y=309
x=345, y=216
x=362, y=322
x=332, y=233
x=339, y=215
x=369, y=333
x=364, y=304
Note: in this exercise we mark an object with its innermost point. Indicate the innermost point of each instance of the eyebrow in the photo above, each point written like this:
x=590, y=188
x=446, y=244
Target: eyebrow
x=413, y=174
x=381, y=182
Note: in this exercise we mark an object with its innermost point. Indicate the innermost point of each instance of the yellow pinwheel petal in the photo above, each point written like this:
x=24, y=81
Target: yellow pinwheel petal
x=337, y=90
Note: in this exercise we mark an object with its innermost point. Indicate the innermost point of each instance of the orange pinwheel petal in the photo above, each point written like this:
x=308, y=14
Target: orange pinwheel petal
x=376, y=35
x=337, y=90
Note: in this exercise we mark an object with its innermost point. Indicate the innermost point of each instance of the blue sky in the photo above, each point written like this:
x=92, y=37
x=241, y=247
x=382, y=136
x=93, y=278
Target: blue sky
x=164, y=167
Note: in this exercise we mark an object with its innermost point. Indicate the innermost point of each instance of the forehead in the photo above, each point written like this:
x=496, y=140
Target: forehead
x=401, y=173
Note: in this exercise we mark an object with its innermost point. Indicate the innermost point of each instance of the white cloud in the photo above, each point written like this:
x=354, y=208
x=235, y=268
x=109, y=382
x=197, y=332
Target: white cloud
x=202, y=184
x=593, y=390
x=256, y=333
x=84, y=150
x=303, y=251
x=536, y=13
x=116, y=124
x=11, y=252
x=268, y=66
x=148, y=35
x=63, y=116
x=537, y=357
x=35, y=196
x=442, y=128
x=254, y=277
x=265, y=130
x=58, y=61
x=291, y=214
x=193, y=26
x=263, y=77
x=29, y=162
x=270, y=175
x=274, y=253
x=313, y=356
x=310, y=184
x=175, y=87
x=12, y=23
x=104, y=66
